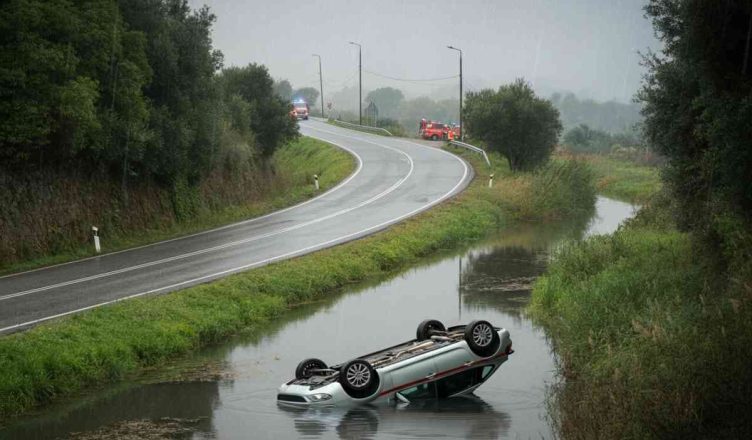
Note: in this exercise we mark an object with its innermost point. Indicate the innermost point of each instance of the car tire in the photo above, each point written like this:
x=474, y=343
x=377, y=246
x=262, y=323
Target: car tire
x=303, y=370
x=359, y=379
x=434, y=138
x=482, y=338
x=427, y=327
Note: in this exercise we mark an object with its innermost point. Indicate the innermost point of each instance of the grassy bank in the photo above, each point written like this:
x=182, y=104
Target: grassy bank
x=105, y=344
x=157, y=214
x=624, y=179
x=654, y=341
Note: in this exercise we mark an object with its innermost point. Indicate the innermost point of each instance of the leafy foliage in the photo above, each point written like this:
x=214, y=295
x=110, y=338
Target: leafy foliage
x=268, y=113
x=127, y=87
x=283, y=89
x=514, y=122
x=698, y=107
x=583, y=139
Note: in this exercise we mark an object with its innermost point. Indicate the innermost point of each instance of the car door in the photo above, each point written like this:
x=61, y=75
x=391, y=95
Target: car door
x=413, y=371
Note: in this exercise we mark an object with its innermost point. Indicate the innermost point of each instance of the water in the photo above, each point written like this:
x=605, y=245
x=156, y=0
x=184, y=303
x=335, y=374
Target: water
x=229, y=391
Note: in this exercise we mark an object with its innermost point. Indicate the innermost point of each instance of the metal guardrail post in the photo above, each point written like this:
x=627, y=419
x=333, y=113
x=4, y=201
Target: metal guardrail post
x=472, y=148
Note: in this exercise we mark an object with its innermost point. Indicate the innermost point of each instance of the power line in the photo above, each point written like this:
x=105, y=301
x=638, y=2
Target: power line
x=411, y=80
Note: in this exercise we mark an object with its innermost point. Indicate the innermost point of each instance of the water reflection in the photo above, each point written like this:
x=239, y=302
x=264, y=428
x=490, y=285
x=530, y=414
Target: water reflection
x=462, y=417
x=186, y=404
x=228, y=391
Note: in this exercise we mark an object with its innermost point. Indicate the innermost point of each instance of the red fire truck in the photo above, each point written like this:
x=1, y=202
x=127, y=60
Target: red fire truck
x=433, y=130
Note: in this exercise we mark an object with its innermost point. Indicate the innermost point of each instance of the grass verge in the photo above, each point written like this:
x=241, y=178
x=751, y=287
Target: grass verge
x=654, y=342
x=105, y=344
x=292, y=181
x=623, y=179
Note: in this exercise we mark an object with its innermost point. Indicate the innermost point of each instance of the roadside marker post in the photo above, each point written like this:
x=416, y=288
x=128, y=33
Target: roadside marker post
x=316, y=181
x=97, y=247
x=490, y=181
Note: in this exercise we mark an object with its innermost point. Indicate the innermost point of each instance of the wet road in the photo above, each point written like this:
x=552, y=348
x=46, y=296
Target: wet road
x=228, y=391
x=394, y=179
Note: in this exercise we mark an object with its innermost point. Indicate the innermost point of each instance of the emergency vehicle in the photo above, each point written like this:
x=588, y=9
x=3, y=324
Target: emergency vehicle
x=300, y=109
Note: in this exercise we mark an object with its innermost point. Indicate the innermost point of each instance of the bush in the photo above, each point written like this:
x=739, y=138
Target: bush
x=652, y=342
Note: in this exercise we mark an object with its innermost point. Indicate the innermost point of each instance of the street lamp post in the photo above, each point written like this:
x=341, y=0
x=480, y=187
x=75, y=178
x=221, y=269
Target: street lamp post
x=360, y=82
x=462, y=129
x=321, y=86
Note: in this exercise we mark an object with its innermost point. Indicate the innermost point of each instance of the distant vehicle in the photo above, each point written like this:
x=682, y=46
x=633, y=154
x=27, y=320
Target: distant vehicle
x=434, y=131
x=300, y=109
x=440, y=362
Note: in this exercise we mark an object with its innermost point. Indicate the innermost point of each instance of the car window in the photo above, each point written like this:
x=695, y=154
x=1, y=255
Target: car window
x=459, y=382
x=422, y=391
x=488, y=369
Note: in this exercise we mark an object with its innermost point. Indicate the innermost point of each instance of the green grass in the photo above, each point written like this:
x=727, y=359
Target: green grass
x=653, y=342
x=623, y=179
x=294, y=164
x=105, y=344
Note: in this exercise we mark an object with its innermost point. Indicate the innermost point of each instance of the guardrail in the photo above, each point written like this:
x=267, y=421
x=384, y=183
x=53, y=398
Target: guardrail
x=361, y=127
x=472, y=148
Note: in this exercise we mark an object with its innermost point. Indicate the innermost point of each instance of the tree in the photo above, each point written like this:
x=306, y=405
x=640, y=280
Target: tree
x=698, y=108
x=307, y=94
x=283, y=89
x=514, y=122
x=269, y=118
x=387, y=99
x=587, y=140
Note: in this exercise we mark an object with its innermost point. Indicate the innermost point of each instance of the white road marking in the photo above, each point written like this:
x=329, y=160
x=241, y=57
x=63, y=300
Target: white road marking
x=256, y=264
x=271, y=259
x=226, y=245
x=232, y=225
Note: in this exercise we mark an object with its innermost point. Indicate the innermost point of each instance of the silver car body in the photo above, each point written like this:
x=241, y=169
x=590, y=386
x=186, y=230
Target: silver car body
x=405, y=367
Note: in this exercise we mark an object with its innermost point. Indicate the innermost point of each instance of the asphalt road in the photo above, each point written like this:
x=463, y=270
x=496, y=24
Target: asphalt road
x=394, y=179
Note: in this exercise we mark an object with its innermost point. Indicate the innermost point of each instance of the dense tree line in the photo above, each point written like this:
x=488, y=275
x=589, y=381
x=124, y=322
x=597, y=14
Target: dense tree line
x=583, y=139
x=698, y=108
x=129, y=87
x=611, y=117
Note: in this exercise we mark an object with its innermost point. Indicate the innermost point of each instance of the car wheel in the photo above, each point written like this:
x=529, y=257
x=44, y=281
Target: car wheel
x=359, y=378
x=427, y=327
x=434, y=138
x=482, y=338
x=303, y=370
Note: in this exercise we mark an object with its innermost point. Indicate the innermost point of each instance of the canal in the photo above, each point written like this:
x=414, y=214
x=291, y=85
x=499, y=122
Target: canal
x=229, y=391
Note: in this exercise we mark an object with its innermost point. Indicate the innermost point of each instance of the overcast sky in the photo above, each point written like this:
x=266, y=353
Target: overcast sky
x=585, y=46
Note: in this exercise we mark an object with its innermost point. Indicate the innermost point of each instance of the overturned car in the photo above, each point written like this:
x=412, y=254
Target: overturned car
x=440, y=362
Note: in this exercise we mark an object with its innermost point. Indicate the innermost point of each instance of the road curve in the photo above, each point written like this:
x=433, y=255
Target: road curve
x=394, y=179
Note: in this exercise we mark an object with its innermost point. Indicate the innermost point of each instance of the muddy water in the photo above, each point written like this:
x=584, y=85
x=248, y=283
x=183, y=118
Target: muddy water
x=229, y=391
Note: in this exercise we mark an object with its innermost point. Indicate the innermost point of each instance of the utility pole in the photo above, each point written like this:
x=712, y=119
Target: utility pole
x=321, y=86
x=462, y=128
x=360, y=82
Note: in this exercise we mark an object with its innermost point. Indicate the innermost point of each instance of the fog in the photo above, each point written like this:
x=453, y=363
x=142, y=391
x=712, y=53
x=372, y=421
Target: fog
x=589, y=47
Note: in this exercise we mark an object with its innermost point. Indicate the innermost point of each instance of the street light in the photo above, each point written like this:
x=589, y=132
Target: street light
x=321, y=86
x=360, y=82
x=462, y=129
